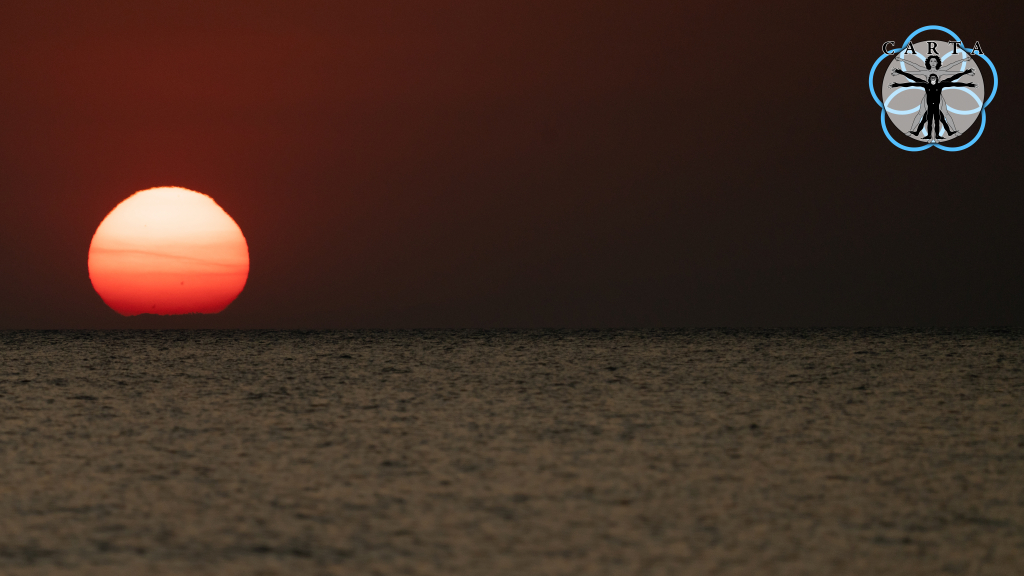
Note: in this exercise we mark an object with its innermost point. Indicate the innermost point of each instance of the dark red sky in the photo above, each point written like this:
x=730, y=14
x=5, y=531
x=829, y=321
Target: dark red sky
x=526, y=164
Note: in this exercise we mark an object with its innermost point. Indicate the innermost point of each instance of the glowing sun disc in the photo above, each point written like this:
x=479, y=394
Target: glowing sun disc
x=168, y=251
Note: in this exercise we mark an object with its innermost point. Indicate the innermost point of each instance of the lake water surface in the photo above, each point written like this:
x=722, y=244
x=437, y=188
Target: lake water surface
x=512, y=452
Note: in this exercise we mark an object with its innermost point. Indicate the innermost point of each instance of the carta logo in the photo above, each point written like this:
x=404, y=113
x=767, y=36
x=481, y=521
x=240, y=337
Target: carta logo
x=936, y=92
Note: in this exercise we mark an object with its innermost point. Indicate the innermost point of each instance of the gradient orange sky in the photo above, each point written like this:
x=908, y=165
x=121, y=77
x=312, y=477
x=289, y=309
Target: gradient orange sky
x=168, y=251
x=526, y=164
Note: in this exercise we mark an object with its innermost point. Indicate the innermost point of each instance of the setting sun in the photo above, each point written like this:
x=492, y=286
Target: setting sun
x=168, y=251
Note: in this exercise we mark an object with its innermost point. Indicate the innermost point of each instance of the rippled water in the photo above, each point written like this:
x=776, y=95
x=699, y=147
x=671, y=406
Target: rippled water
x=603, y=452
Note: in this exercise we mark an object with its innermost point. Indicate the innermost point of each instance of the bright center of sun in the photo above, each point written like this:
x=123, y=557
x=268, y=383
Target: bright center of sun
x=168, y=251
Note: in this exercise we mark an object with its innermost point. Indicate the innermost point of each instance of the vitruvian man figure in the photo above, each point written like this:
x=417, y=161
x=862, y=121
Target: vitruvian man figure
x=933, y=99
x=933, y=65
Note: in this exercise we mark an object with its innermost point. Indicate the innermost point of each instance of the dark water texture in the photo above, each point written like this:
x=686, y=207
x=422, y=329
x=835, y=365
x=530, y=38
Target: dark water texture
x=605, y=452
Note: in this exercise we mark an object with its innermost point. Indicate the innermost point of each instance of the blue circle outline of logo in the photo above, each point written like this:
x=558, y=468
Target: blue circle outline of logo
x=885, y=129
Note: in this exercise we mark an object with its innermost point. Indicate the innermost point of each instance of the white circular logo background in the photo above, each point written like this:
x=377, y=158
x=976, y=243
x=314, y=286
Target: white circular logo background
x=960, y=105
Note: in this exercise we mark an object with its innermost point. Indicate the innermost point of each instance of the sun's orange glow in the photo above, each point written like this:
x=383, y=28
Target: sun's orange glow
x=168, y=251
